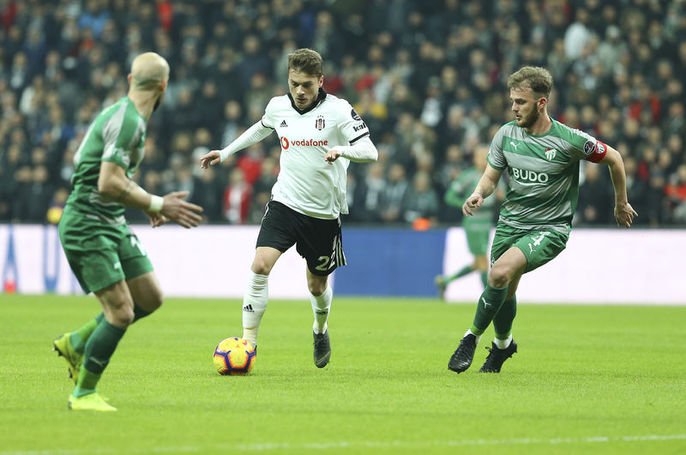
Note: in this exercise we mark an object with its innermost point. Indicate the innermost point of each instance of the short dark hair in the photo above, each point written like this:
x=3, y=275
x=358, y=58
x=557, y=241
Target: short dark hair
x=306, y=61
x=536, y=78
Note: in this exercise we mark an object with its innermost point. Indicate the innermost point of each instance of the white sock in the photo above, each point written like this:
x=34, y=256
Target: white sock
x=469, y=332
x=321, y=304
x=254, y=305
x=503, y=344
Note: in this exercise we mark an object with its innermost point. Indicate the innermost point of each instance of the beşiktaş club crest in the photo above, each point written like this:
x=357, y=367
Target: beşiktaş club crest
x=320, y=124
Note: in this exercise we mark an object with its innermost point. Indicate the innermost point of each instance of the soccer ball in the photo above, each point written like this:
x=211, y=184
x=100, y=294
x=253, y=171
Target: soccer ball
x=234, y=356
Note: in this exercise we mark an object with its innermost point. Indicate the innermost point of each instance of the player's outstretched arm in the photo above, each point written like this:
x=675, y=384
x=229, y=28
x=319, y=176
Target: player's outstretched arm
x=485, y=187
x=251, y=136
x=624, y=212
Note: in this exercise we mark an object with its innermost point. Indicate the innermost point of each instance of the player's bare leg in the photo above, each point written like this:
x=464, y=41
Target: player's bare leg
x=146, y=293
x=147, y=297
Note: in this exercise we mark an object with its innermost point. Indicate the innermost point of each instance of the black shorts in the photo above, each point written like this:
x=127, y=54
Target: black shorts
x=320, y=242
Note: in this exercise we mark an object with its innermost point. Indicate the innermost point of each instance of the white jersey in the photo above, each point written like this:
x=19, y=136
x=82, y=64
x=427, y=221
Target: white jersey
x=306, y=182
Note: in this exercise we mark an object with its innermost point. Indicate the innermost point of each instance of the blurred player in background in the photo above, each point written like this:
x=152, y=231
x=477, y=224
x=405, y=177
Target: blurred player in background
x=103, y=253
x=320, y=135
x=542, y=157
x=477, y=228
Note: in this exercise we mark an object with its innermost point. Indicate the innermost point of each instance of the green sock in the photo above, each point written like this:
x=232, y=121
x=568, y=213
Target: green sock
x=487, y=307
x=139, y=313
x=79, y=337
x=484, y=279
x=502, y=322
x=86, y=382
x=467, y=269
x=99, y=349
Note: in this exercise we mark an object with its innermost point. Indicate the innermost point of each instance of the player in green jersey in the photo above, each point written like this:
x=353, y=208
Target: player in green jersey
x=104, y=254
x=478, y=227
x=541, y=157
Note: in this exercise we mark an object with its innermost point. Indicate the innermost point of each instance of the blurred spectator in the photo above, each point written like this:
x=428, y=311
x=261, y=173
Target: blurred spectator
x=262, y=188
x=35, y=194
x=208, y=192
x=59, y=199
x=676, y=191
x=394, y=194
x=368, y=194
x=421, y=200
x=596, y=197
x=212, y=106
x=94, y=16
x=231, y=126
x=237, y=198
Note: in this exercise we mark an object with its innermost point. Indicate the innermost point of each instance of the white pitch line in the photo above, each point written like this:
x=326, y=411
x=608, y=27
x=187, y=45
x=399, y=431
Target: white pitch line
x=264, y=447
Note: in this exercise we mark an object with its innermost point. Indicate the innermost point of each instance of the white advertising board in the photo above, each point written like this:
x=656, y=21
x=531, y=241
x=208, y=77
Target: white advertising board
x=608, y=266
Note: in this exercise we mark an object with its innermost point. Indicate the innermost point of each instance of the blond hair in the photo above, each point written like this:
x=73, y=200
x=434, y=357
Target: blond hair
x=536, y=78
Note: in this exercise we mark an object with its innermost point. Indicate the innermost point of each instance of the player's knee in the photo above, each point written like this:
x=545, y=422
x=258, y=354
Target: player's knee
x=499, y=276
x=261, y=267
x=316, y=285
x=122, y=316
x=316, y=289
x=154, y=301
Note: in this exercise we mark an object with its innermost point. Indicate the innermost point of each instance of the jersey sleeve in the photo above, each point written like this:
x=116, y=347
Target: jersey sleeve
x=586, y=147
x=595, y=150
x=268, y=117
x=351, y=125
x=496, y=157
x=120, y=135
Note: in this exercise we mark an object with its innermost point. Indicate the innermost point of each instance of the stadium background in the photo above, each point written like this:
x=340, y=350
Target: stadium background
x=428, y=78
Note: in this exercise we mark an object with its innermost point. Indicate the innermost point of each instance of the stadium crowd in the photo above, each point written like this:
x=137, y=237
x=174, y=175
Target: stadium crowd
x=428, y=77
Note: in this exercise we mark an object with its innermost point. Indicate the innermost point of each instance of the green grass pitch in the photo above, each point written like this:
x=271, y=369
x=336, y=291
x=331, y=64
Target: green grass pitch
x=587, y=379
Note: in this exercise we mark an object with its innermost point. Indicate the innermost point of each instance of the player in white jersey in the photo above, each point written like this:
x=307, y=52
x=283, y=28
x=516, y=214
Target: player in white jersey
x=319, y=134
x=542, y=158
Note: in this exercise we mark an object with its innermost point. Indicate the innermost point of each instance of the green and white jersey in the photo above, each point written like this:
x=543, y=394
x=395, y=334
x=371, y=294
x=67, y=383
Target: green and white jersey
x=458, y=192
x=544, y=174
x=116, y=135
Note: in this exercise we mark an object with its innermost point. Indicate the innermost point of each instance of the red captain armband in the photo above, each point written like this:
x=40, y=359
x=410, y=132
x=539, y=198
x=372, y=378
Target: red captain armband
x=595, y=151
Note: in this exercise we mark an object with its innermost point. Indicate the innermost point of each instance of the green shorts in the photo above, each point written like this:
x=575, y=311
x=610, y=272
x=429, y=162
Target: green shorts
x=101, y=255
x=477, y=238
x=539, y=246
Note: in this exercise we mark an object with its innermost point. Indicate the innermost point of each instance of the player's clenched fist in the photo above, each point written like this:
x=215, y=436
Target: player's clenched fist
x=332, y=155
x=472, y=203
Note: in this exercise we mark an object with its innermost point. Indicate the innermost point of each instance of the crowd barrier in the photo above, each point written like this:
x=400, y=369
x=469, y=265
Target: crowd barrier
x=605, y=266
